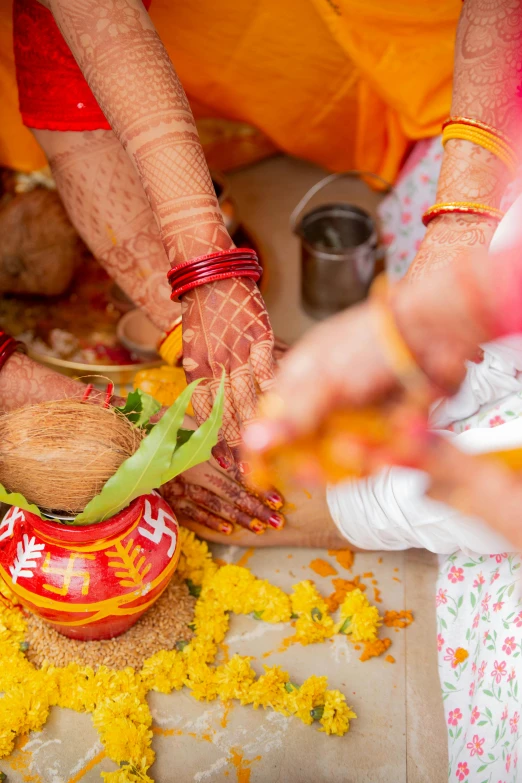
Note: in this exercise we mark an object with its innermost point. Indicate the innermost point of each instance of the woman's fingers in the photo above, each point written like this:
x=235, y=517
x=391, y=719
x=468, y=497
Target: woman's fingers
x=263, y=365
x=270, y=496
x=236, y=494
x=202, y=516
x=222, y=508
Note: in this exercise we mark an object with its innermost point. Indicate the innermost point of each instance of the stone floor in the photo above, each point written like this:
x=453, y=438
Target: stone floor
x=399, y=735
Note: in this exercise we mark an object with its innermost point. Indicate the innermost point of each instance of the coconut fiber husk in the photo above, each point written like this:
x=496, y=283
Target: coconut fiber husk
x=59, y=454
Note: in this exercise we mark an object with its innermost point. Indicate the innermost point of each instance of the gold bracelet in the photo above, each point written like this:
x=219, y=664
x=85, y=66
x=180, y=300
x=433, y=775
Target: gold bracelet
x=171, y=347
x=463, y=208
x=484, y=139
x=478, y=124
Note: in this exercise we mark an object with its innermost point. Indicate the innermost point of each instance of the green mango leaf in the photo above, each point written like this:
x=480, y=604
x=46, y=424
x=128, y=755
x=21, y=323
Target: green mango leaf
x=139, y=408
x=199, y=448
x=143, y=471
x=16, y=499
x=183, y=437
x=133, y=406
x=150, y=407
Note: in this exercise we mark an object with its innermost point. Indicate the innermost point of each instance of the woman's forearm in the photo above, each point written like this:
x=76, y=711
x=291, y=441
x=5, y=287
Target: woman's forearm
x=25, y=382
x=487, y=77
x=134, y=82
x=488, y=63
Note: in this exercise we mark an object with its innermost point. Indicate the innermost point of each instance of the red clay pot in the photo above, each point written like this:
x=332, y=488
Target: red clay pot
x=95, y=581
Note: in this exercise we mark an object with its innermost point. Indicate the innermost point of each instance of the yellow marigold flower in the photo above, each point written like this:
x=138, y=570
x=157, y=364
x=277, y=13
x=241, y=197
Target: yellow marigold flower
x=336, y=714
x=273, y=604
x=233, y=679
x=309, y=695
x=314, y=623
x=12, y=714
x=364, y=624
x=76, y=688
x=195, y=562
x=16, y=669
x=29, y=707
x=306, y=598
x=125, y=740
x=12, y=621
x=126, y=705
x=272, y=689
x=354, y=602
x=126, y=775
x=164, y=671
x=201, y=679
x=108, y=682
x=311, y=630
x=7, y=740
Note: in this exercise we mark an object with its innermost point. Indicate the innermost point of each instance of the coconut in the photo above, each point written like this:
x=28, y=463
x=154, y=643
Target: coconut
x=59, y=454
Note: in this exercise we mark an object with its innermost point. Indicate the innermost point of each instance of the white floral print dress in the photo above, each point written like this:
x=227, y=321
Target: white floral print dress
x=479, y=597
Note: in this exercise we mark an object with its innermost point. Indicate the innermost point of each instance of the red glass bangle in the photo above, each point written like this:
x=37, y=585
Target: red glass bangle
x=209, y=261
x=216, y=270
x=201, y=274
x=223, y=276
x=235, y=262
x=214, y=274
x=231, y=253
x=8, y=346
x=203, y=266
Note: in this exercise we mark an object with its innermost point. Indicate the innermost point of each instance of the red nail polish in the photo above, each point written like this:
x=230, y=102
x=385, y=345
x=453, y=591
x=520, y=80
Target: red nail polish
x=226, y=528
x=257, y=527
x=274, y=501
x=245, y=468
x=223, y=462
x=277, y=521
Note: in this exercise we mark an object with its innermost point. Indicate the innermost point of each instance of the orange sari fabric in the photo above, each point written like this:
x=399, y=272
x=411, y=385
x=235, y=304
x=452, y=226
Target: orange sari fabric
x=345, y=84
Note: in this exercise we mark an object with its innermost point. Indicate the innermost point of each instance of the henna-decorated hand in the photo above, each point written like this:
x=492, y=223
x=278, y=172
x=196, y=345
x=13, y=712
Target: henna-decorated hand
x=207, y=501
x=210, y=498
x=226, y=326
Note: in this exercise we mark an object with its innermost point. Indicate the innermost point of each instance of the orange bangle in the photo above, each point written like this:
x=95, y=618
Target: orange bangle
x=463, y=208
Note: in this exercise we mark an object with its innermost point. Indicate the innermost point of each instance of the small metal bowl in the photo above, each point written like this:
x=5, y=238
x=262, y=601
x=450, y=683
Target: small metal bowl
x=119, y=374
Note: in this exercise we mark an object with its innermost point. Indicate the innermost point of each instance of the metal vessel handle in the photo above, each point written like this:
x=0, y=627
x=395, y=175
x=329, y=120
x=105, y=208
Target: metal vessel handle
x=308, y=196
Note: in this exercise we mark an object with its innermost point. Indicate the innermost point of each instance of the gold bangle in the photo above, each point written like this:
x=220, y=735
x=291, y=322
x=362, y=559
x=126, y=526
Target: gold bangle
x=483, y=139
x=171, y=347
x=463, y=208
x=478, y=124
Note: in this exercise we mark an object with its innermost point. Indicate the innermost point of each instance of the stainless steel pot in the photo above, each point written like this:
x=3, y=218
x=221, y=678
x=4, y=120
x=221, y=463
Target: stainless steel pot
x=339, y=248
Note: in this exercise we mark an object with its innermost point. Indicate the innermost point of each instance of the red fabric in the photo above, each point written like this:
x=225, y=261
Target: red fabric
x=53, y=95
